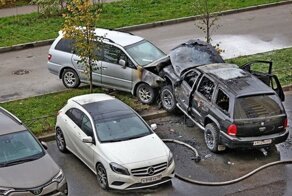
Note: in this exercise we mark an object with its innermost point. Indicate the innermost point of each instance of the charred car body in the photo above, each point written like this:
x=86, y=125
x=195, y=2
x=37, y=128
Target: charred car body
x=234, y=106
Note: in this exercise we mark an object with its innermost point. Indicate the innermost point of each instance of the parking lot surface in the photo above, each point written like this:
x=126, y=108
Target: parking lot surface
x=228, y=165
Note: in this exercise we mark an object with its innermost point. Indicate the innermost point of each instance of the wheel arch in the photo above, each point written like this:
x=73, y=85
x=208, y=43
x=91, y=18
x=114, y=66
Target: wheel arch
x=210, y=119
x=67, y=67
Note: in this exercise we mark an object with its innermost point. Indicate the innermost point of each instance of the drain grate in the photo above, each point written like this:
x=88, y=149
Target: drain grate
x=21, y=72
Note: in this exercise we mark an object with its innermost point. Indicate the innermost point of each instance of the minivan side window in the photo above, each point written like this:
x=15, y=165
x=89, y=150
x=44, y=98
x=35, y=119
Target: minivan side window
x=113, y=54
x=75, y=115
x=65, y=45
x=222, y=100
x=206, y=88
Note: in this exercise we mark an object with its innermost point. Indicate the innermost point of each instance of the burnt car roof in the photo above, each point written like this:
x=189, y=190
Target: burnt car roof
x=236, y=80
x=193, y=53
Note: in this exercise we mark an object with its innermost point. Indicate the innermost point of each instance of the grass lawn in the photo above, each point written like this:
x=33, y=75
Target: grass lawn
x=282, y=63
x=44, y=108
x=32, y=27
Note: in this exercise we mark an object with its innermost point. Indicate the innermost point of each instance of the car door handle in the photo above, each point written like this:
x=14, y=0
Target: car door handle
x=103, y=68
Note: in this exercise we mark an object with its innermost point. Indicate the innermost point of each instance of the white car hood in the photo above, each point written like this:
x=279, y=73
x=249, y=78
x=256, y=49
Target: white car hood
x=135, y=150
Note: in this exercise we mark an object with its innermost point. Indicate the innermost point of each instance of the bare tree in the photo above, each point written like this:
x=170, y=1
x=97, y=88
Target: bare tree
x=209, y=16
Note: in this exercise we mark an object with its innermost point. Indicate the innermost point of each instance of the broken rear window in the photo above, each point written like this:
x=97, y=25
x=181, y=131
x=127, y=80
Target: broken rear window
x=257, y=107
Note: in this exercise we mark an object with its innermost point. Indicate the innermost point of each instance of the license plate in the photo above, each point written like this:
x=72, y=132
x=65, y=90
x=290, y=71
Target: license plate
x=150, y=179
x=262, y=142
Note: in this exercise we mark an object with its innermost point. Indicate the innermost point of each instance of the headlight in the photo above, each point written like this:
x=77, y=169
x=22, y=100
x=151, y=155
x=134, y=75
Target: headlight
x=170, y=159
x=5, y=191
x=59, y=177
x=119, y=169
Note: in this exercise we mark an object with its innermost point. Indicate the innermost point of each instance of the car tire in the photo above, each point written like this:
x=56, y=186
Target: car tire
x=60, y=140
x=211, y=135
x=145, y=93
x=168, y=101
x=102, y=176
x=70, y=78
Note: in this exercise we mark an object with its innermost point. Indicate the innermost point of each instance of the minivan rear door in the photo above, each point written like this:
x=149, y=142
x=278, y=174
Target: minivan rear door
x=83, y=70
x=263, y=71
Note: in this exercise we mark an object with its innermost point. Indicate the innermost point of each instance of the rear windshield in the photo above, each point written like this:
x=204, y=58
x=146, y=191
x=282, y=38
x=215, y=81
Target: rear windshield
x=257, y=107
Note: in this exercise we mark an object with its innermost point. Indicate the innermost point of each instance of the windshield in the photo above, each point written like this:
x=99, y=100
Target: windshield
x=144, y=52
x=124, y=126
x=257, y=107
x=193, y=53
x=19, y=147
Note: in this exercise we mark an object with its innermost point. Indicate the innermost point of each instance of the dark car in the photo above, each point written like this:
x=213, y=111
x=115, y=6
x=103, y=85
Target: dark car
x=25, y=166
x=234, y=106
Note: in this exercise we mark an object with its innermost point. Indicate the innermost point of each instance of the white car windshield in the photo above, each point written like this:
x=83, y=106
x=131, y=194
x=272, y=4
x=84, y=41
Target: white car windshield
x=19, y=147
x=144, y=52
x=120, y=126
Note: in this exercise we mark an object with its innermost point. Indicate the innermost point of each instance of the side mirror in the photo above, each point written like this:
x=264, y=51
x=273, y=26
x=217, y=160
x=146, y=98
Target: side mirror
x=87, y=140
x=45, y=145
x=122, y=63
x=153, y=126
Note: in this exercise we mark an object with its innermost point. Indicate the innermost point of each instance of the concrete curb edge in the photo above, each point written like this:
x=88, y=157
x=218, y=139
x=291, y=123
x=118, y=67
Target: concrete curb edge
x=147, y=25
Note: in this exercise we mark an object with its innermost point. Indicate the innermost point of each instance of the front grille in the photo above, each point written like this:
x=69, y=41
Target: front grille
x=144, y=171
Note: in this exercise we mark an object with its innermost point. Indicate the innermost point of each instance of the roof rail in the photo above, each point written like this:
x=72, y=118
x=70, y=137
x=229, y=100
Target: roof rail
x=121, y=31
x=12, y=116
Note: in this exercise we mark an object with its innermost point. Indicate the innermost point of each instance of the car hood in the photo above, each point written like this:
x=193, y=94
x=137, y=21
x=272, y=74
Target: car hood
x=135, y=150
x=30, y=174
x=193, y=53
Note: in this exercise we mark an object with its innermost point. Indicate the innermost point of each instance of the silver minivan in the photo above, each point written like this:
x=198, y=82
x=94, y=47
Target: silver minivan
x=25, y=166
x=124, y=58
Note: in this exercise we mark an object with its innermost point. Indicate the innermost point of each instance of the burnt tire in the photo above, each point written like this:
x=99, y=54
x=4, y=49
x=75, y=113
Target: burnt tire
x=60, y=140
x=102, y=176
x=70, y=78
x=145, y=93
x=167, y=98
x=211, y=136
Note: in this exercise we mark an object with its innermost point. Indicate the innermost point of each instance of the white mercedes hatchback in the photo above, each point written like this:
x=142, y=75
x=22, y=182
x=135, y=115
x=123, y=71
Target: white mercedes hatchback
x=114, y=142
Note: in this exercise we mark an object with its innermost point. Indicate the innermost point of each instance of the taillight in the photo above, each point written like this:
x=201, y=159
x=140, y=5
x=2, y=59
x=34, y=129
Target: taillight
x=49, y=57
x=285, y=123
x=232, y=130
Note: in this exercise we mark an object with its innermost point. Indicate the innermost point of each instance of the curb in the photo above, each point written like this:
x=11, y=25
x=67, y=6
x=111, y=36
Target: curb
x=149, y=25
x=287, y=88
x=149, y=116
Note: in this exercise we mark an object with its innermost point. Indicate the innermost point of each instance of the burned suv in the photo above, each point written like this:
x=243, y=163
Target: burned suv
x=234, y=106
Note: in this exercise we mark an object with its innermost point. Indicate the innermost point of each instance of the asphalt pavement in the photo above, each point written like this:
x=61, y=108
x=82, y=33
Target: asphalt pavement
x=244, y=33
x=274, y=181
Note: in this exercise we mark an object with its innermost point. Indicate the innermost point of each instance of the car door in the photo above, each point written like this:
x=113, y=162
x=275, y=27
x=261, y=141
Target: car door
x=80, y=127
x=201, y=102
x=114, y=74
x=183, y=91
x=263, y=71
x=86, y=149
x=83, y=70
